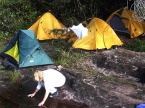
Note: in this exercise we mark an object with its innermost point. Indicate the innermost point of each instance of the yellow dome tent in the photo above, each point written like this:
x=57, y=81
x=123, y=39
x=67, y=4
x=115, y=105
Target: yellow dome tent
x=100, y=36
x=124, y=17
x=136, y=28
x=47, y=27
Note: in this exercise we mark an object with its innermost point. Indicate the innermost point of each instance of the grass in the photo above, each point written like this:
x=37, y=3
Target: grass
x=137, y=45
x=18, y=14
x=63, y=54
x=116, y=80
x=14, y=76
x=11, y=75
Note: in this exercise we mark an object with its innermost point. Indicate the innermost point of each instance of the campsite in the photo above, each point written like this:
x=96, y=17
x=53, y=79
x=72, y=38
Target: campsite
x=102, y=57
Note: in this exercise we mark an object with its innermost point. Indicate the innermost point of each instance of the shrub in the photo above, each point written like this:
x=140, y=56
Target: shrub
x=136, y=45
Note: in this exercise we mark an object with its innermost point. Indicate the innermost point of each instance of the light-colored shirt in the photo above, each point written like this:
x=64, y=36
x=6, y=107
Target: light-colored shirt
x=51, y=79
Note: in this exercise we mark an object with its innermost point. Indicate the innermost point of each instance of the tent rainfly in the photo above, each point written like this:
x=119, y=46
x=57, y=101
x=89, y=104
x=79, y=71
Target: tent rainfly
x=100, y=36
x=47, y=27
x=24, y=50
x=122, y=21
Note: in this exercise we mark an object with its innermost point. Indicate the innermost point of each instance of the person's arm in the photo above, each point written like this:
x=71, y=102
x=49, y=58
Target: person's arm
x=44, y=99
x=47, y=91
x=33, y=94
x=36, y=90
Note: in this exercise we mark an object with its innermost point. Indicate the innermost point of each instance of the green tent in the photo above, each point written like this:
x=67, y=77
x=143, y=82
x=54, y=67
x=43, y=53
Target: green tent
x=24, y=50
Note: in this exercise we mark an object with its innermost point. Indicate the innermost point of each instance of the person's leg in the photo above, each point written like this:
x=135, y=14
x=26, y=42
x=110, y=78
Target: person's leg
x=53, y=90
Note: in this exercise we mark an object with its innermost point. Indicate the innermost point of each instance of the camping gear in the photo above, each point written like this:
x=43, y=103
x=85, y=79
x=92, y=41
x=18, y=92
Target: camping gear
x=24, y=50
x=48, y=27
x=122, y=21
x=140, y=106
x=79, y=30
x=100, y=36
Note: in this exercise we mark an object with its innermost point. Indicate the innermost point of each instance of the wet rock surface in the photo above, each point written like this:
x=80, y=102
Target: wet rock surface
x=121, y=61
x=96, y=92
x=117, y=81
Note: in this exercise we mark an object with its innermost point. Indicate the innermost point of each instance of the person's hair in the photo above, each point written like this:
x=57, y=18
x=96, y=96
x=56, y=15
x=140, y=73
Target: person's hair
x=39, y=74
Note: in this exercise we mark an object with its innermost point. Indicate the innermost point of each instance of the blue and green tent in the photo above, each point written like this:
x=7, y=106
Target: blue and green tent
x=24, y=50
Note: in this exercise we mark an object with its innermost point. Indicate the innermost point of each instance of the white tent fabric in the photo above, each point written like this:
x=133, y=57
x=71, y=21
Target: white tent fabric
x=80, y=30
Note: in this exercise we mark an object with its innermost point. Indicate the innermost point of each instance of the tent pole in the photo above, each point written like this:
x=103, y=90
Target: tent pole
x=127, y=4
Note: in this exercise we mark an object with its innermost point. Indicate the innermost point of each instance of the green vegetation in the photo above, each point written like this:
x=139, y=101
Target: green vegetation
x=137, y=45
x=21, y=14
x=15, y=15
x=12, y=76
x=64, y=54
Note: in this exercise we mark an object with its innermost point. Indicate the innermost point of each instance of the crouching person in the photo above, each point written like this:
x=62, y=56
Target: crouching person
x=50, y=79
